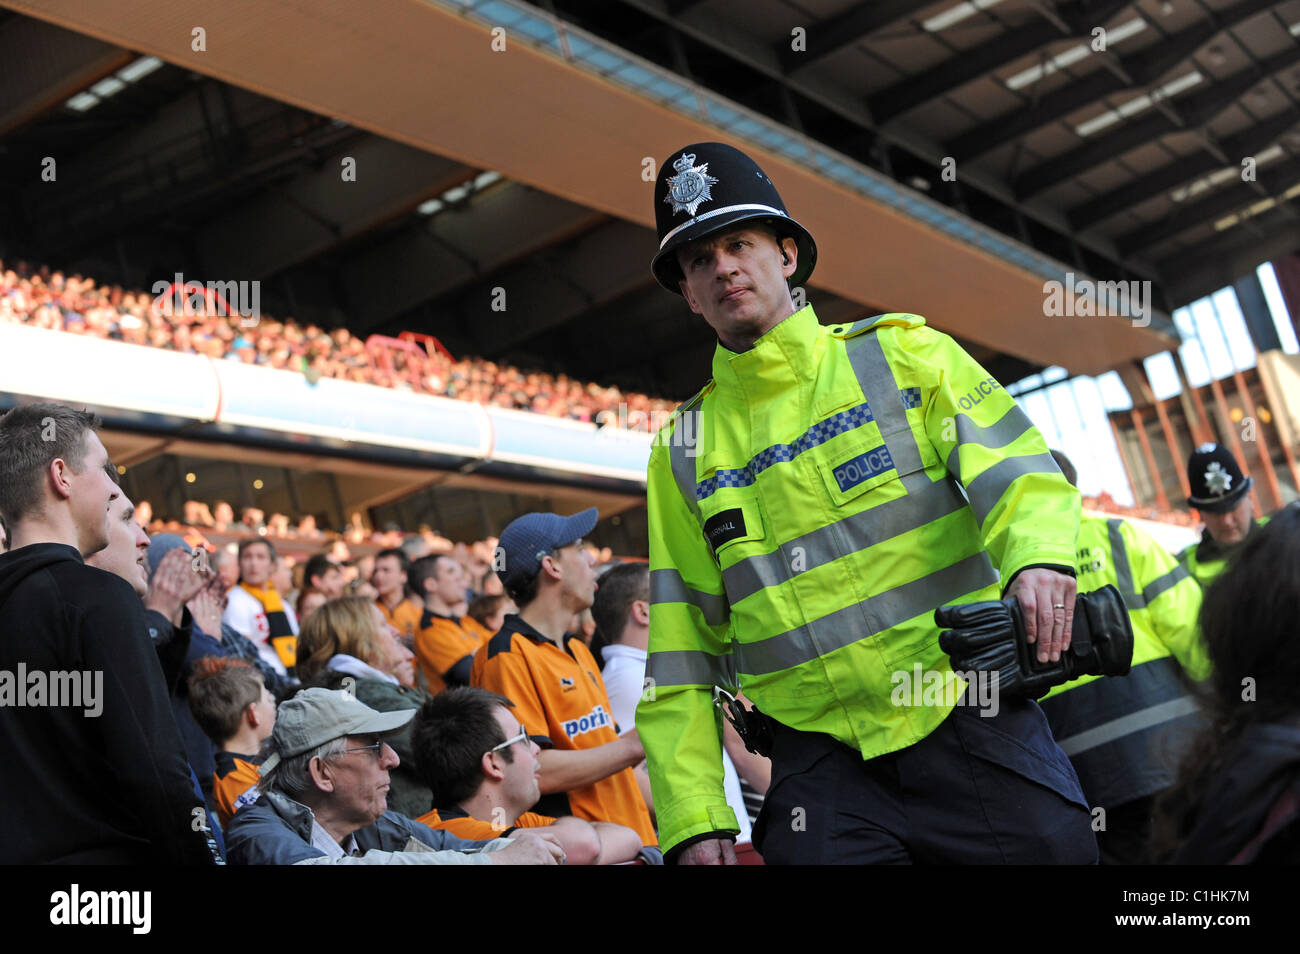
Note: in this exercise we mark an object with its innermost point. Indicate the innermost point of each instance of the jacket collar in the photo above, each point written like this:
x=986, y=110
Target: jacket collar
x=295, y=814
x=785, y=356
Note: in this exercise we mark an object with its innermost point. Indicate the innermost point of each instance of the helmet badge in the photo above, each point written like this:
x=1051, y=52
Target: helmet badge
x=690, y=186
x=1217, y=479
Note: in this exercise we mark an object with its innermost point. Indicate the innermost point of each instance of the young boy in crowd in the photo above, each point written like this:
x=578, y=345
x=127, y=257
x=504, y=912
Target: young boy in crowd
x=235, y=710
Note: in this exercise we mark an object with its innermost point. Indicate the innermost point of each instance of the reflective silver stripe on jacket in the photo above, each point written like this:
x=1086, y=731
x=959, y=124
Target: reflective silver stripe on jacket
x=925, y=502
x=987, y=489
x=667, y=586
x=1007, y=429
x=866, y=618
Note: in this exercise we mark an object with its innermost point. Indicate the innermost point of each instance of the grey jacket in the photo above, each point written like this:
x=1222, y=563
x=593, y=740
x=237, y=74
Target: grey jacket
x=276, y=830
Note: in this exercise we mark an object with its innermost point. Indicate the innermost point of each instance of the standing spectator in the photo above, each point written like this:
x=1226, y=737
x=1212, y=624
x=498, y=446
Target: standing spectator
x=56, y=485
x=389, y=578
x=622, y=612
x=256, y=609
x=1237, y=798
x=223, y=516
x=553, y=680
x=490, y=611
x=447, y=638
x=324, y=576
x=212, y=636
x=226, y=565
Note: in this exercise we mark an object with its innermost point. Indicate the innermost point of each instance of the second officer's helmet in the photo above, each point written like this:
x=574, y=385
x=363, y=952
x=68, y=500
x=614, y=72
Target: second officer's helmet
x=709, y=186
x=1216, y=479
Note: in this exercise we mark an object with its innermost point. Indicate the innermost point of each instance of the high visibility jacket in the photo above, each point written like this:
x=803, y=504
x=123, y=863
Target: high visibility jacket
x=805, y=522
x=1126, y=734
x=1206, y=559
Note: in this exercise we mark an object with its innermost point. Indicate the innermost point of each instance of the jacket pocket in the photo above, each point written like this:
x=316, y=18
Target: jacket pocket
x=1034, y=755
x=865, y=465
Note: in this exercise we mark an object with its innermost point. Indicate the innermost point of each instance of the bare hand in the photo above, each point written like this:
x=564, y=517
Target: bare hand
x=175, y=582
x=713, y=851
x=206, y=608
x=636, y=751
x=1047, y=600
x=530, y=847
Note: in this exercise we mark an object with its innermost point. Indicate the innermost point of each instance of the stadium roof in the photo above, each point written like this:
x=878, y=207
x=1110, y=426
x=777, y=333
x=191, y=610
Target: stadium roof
x=521, y=169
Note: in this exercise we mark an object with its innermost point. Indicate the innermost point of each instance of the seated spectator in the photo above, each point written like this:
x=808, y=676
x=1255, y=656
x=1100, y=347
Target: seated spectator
x=236, y=711
x=347, y=644
x=490, y=611
x=253, y=519
x=144, y=513
x=197, y=514
x=482, y=768
x=324, y=786
x=447, y=638
x=1237, y=798
x=223, y=516
x=401, y=609
x=622, y=612
x=552, y=679
x=308, y=601
x=256, y=609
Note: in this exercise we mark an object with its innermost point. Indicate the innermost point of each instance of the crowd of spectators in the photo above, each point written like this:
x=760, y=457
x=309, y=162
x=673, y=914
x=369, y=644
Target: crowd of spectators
x=42, y=298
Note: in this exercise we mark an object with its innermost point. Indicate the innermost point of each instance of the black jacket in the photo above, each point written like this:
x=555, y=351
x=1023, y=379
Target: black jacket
x=1251, y=815
x=104, y=780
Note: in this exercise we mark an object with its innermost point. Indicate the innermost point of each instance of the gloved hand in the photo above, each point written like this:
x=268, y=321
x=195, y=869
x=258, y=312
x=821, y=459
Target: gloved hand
x=986, y=637
x=990, y=637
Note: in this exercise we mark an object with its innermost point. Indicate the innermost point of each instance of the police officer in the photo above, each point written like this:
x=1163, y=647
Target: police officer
x=809, y=509
x=1222, y=495
x=1126, y=736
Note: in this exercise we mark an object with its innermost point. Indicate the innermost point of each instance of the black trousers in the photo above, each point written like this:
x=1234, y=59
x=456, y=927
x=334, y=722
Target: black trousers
x=977, y=790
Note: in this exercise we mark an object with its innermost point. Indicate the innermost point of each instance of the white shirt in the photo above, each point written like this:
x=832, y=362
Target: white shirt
x=624, y=676
x=244, y=614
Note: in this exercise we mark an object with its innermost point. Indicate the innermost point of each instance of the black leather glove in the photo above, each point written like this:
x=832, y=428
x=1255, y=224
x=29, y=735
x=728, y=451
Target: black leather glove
x=991, y=637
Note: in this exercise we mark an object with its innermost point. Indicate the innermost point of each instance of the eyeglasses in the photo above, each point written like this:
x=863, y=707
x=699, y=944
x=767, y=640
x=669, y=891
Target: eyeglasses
x=523, y=734
x=376, y=747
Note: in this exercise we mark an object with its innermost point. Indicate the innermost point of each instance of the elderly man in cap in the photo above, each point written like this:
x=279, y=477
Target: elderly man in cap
x=324, y=799
x=553, y=680
x=809, y=510
x=1221, y=492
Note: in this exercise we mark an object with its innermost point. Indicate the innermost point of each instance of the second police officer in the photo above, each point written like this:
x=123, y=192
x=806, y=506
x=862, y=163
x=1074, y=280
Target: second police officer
x=808, y=511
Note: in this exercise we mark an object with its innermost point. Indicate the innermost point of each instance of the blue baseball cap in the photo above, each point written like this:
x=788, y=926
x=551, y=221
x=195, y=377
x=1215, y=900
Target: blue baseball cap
x=534, y=535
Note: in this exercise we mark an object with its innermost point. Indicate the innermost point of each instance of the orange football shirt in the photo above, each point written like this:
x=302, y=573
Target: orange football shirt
x=456, y=822
x=443, y=641
x=561, y=700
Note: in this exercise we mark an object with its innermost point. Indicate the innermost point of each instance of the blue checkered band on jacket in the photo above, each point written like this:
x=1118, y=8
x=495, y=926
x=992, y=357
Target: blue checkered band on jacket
x=911, y=397
x=819, y=433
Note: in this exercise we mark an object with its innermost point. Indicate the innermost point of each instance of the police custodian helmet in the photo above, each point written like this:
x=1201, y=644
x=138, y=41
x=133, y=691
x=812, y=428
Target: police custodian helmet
x=1216, y=479
x=709, y=186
